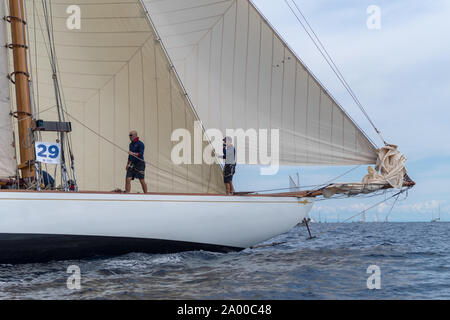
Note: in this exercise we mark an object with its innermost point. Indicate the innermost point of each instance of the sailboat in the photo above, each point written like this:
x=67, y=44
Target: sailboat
x=362, y=219
x=75, y=79
x=438, y=219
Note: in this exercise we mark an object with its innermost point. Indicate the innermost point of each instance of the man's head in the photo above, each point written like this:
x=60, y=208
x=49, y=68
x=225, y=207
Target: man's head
x=133, y=135
x=227, y=141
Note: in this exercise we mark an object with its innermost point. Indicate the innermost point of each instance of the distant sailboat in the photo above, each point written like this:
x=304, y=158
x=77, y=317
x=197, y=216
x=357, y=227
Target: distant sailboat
x=438, y=219
x=363, y=217
x=157, y=66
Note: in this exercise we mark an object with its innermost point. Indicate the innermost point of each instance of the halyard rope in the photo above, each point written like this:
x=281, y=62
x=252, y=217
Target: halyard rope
x=323, y=51
x=119, y=147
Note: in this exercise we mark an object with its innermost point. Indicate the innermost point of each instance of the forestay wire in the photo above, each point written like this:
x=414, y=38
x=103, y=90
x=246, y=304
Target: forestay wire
x=396, y=196
x=299, y=188
x=324, y=52
x=115, y=145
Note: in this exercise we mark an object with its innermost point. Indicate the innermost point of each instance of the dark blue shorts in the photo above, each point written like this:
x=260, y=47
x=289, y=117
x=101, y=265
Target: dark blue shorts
x=136, y=170
x=228, y=173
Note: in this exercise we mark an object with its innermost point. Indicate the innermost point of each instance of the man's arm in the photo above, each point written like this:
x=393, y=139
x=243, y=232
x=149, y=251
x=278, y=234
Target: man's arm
x=141, y=150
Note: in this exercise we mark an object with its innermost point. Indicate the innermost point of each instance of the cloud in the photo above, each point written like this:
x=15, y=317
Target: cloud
x=382, y=207
x=400, y=73
x=349, y=208
x=417, y=211
x=421, y=207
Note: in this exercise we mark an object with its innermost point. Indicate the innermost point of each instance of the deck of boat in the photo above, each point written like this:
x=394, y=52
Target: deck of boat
x=244, y=194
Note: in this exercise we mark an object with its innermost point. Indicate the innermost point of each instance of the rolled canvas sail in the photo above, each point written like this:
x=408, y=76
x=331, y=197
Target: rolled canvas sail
x=7, y=154
x=115, y=77
x=240, y=74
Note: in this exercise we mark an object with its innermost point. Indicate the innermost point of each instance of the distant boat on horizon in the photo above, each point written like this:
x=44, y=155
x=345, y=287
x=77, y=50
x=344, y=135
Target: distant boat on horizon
x=438, y=219
x=363, y=217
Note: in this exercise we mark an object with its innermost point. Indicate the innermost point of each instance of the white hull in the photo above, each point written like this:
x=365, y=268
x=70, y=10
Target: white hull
x=218, y=221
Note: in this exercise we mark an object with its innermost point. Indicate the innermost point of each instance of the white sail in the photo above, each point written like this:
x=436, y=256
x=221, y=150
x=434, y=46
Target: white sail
x=7, y=154
x=115, y=77
x=240, y=74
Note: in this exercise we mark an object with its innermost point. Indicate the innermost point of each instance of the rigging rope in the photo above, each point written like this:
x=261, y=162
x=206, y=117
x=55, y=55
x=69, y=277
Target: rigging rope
x=26, y=118
x=379, y=203
x=396, y=195
x=310, y=186
x=171, y=173
x=120, y=148
x=390, y=211
x=66, y=175
x=36, y=96
x=324, y=52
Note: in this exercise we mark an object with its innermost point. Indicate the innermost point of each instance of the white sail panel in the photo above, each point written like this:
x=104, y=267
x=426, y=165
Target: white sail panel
x=7, y=154
x=115, y=78
x=240, y=74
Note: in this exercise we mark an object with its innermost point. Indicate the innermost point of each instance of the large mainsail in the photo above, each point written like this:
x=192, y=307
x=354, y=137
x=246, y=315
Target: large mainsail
x=237, y=73
x=240, y=74
x=7, y=154
x=103, y=65
x=114, y=77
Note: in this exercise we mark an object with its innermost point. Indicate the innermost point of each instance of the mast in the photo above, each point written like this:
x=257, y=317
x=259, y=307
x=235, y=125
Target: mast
x=21, y=78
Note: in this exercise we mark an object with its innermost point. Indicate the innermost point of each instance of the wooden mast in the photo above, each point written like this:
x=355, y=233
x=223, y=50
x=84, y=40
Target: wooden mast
x=21, y=78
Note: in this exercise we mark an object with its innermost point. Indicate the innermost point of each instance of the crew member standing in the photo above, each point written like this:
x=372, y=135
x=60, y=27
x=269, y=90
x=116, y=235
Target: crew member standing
x=229, y=155
x=136, y=163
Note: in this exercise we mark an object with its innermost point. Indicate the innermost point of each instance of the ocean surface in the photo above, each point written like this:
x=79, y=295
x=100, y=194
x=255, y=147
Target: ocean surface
x=413, y=259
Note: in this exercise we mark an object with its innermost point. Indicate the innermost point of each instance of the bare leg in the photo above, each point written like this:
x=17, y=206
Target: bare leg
x=128, y=185
x=231, y=188
x=228, y=188
x=144, y=185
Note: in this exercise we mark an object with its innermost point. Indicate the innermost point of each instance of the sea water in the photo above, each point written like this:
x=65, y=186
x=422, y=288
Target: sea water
x=413, y=260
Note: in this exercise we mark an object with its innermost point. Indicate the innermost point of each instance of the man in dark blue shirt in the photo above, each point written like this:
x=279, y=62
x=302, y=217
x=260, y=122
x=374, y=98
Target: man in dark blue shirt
x=136, y=163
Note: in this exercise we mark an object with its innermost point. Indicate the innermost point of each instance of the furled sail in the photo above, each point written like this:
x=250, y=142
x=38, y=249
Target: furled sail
x=114, y=77
x=7, y=154
x=240, y=74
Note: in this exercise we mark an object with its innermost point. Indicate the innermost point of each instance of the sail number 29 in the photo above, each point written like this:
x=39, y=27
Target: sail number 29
x=53, y=151
x=48, y=152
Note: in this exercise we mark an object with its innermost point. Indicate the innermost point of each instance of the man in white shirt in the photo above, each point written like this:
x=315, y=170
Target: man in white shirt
x=229, y=155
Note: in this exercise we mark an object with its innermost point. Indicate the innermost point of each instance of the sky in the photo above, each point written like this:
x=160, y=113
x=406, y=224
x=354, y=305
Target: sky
x=400, y=73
